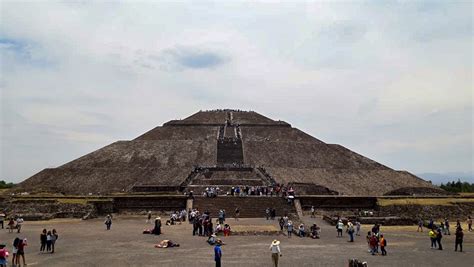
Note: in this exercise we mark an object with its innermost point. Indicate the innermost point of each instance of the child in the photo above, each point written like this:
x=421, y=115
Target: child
x=383, y=244
x=48, y=241
x=226, y=230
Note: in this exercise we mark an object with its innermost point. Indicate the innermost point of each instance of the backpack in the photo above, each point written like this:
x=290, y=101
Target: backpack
x=384, y=242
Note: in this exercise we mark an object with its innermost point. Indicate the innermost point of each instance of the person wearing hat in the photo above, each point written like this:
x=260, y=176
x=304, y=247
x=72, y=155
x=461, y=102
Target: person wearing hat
x=218, y=253
x=276, y=252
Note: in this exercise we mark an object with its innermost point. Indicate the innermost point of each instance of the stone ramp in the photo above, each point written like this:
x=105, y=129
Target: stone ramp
x=250, y=207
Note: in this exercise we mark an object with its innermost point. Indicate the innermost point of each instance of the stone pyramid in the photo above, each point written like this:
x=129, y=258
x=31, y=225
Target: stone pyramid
x=225, y=148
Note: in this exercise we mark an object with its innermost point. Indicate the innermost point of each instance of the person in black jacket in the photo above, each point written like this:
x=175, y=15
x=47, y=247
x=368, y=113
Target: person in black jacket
x=43, y=240
x=439, y=235
x=459, y=238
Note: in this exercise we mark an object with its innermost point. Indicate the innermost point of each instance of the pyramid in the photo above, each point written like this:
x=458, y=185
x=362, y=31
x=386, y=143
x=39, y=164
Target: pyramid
x=225, y=148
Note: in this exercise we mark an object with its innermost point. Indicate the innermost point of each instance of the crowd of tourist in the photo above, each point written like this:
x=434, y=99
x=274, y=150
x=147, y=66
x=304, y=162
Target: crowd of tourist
x=203, y=225
x=48, y=240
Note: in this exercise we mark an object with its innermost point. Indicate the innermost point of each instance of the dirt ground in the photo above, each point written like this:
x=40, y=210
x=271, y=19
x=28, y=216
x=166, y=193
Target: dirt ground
x=87, y=243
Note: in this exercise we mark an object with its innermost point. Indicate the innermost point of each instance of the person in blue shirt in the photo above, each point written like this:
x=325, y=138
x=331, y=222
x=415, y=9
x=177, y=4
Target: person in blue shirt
x=218, y=253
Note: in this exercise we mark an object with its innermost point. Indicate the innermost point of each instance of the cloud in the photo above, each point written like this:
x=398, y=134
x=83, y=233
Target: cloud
x=367, y=75
x=182, y=58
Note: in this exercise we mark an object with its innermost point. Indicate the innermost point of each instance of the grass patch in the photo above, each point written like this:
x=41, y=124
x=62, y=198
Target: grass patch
x=423, y=201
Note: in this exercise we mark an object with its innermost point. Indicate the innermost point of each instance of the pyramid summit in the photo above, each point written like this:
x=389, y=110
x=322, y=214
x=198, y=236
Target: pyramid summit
x=225, y=148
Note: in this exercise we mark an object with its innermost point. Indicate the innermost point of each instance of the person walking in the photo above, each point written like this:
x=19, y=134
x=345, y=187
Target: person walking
x=383, y=244
x=313, y=212
x=281, y=222
x=469, y=223
x=218, y=253
x=276, y=252
x=459, y=239
x=43, y=238
x=108, y=222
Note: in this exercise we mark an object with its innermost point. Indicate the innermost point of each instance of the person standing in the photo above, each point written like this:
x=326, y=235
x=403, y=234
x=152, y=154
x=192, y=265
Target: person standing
x=54, y=237
x=350, y=231
x=21, y=252
x=3, y=255
x=43, y=240
x=237, y=213
x=420, y=225
x=339, y=227
x=446, y=227
x=148, y=218
x=218, y=253
x=357, y=228
x=19, y=224
x=11, y=225
x=48, y=241
x=432, y=236
x=373, y=244
x=313, y=212
x=383, y=244
x=459, y=239
x=276, y=252
x=108, y=222
x=2, y=219
x=439, y=236
x=289, y=228
x=267, y=213
x=157, y=229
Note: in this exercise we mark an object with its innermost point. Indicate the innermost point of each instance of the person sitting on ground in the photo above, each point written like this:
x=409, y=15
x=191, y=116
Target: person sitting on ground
x=315, y=231
x=301, y=231
x=166, y=244
x=226, y=230
x=219, y=229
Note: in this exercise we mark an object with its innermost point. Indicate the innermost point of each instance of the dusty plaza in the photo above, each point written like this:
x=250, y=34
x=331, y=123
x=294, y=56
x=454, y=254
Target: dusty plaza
x=87, y=243
x=226, y=164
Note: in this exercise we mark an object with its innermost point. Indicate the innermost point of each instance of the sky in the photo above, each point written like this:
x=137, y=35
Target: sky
x=391, y=80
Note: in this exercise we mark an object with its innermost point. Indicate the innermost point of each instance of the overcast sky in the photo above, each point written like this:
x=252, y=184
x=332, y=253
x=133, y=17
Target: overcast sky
x=389, y=80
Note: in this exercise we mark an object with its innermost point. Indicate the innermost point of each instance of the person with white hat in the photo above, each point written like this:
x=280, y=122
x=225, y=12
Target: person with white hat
x=276, y=252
